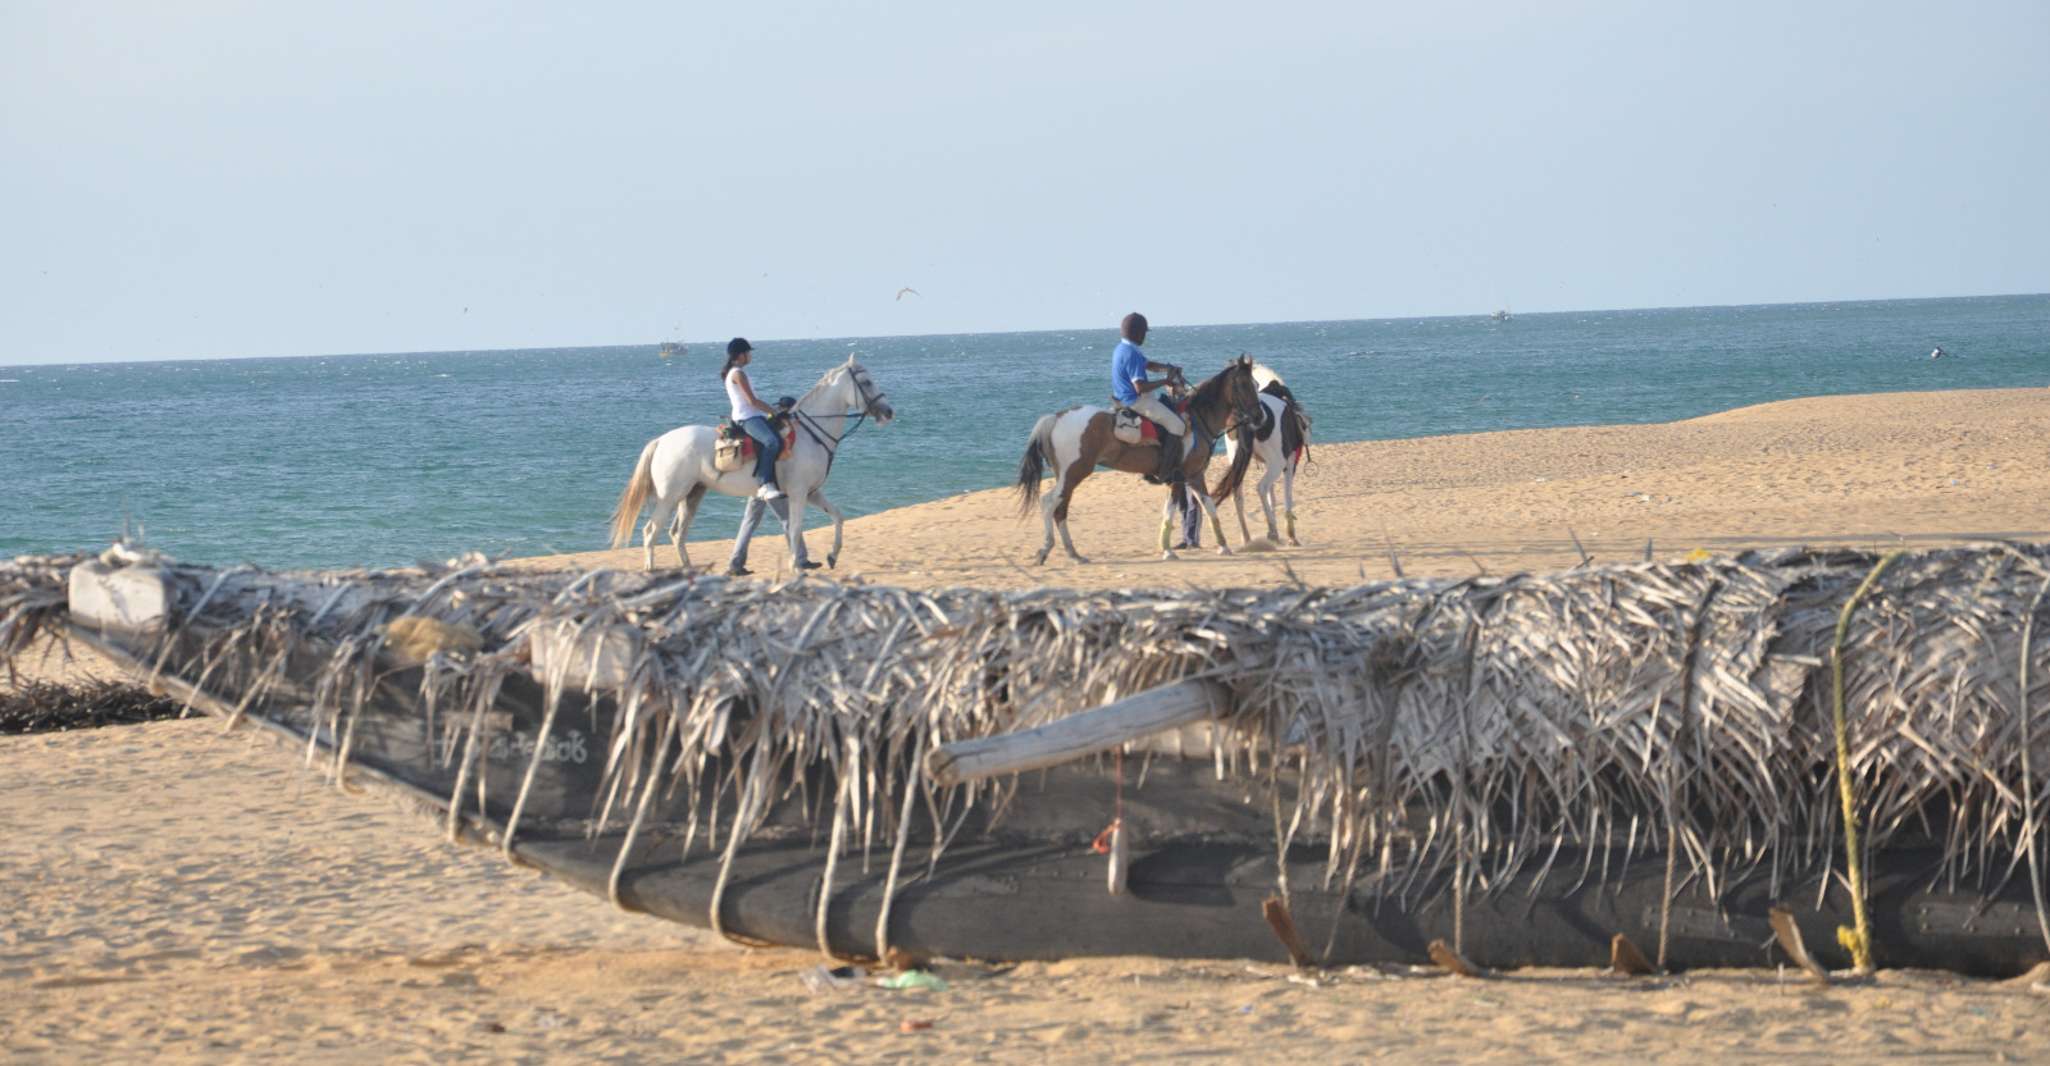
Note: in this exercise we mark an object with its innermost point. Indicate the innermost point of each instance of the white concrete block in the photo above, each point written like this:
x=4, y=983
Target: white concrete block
x=134, y=599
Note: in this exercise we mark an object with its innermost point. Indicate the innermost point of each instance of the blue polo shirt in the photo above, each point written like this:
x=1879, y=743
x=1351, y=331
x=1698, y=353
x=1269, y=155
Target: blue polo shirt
x=1127, y=365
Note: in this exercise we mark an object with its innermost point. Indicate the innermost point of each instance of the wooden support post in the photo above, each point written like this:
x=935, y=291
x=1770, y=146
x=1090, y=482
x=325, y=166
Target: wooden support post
x=1106, y=727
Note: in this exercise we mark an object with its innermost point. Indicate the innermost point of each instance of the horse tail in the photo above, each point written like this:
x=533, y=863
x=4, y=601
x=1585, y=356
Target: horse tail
x=634, y=497
x=1032, y=468
x=1241, y=458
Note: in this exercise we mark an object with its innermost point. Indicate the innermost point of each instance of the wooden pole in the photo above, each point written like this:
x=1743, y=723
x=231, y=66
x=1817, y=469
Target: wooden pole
x=1860, y=939
x=1132, y=718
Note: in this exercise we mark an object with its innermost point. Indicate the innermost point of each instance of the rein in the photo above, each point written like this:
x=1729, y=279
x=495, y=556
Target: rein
x=1231, y=418
x=827, y=440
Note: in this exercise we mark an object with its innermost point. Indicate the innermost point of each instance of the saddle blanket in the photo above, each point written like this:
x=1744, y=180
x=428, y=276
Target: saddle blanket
x=735, y=449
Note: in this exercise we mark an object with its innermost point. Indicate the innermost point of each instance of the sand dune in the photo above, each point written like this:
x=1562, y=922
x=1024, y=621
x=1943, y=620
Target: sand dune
x=181, y=894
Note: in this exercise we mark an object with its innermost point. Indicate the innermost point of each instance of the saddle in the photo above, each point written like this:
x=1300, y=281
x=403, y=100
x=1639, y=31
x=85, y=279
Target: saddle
x=735, y=450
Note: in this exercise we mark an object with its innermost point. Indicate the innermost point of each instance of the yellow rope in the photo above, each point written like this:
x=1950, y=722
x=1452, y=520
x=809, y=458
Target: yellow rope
x=1858, y=940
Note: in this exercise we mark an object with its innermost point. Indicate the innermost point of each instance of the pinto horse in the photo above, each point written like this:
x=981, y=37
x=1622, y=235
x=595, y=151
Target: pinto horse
x=1074, y=442
x=1281, y=441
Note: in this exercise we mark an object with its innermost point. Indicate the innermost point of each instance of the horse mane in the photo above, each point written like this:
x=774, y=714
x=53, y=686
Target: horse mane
x=1206, y=393
x=821, y=383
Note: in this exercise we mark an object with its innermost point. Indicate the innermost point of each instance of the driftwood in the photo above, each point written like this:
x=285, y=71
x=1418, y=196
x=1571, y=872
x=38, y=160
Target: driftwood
x=1133, y=718
x=1430, y=734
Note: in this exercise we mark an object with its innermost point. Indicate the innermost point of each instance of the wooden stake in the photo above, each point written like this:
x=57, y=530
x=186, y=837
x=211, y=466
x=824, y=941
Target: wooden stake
x=1625, y=960
x=1278, y=919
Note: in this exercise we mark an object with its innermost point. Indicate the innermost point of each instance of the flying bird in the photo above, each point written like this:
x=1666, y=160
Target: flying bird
x=905, y=289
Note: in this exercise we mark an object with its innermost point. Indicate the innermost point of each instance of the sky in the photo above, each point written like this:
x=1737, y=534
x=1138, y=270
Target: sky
x=199, y=180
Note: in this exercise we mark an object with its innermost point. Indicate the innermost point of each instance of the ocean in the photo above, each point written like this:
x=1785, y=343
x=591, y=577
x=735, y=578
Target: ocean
x=373, y=460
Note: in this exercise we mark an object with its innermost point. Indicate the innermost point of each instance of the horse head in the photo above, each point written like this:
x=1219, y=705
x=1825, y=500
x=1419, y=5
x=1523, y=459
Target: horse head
x=847, y=390
x=1242, y=390
x=869, y=398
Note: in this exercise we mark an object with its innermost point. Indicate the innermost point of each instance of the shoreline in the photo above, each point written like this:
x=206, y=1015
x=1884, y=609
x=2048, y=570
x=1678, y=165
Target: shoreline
x=1924, y=468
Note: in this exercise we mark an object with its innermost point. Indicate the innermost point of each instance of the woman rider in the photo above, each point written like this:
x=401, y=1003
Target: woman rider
x=752, y=415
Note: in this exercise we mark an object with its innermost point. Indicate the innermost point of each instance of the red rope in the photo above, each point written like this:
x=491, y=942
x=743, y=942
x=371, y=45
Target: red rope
x=1101, y=845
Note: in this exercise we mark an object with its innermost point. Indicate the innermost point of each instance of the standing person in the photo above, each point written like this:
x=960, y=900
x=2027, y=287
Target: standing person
x=752, y=415
x=1130, y=386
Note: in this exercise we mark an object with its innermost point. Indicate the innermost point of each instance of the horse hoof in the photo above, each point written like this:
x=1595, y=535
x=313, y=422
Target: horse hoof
x=1080, y=559
x=1222, y=550
x=1168, y=555
x=1041, y=560
x=832, y=562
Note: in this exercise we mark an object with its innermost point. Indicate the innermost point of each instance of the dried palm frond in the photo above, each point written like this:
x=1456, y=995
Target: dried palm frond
x=1466, y=729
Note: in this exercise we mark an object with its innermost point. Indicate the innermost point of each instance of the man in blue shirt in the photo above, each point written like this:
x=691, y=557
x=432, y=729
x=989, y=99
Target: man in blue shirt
x=1130, y=386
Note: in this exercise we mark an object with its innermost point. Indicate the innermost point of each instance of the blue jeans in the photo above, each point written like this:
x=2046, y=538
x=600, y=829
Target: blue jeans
x=767, y=447
x=751, y=520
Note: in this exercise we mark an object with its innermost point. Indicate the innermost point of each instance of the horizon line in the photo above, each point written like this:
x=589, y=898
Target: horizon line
x=1048, y=329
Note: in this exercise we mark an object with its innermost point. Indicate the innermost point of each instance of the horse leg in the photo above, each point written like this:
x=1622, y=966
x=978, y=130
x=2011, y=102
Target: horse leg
x=819, y=497
x=1216, y=522
x=1266, y=494
x=1288, y=498
x=1053, y=510
x=1057, y=515
x=652, y=530
x=1048, y=504
x=679, y=527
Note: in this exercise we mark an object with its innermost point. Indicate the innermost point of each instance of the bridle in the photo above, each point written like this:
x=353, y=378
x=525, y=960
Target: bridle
x=871, y=398
x=1239, y=415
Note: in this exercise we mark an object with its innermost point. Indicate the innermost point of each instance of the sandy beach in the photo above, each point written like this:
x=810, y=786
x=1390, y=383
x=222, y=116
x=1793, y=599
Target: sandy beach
x=1915, y=468
x=184, y=894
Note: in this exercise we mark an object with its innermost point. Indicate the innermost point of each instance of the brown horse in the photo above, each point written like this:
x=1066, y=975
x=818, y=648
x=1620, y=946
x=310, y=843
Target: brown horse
x=1076, y=441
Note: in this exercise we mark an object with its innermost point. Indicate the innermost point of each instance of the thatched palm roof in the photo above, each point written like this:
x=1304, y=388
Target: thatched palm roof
x=1476, y=728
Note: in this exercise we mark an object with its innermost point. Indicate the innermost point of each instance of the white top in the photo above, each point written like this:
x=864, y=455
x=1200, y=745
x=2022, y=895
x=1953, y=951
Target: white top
x=742, y=410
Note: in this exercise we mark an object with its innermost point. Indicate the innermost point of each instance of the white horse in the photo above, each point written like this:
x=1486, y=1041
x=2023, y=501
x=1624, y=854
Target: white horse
x=1281, y=445
x=676, y=468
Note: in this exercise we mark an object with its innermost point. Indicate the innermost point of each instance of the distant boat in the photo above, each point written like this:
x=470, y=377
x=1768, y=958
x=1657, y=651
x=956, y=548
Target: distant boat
x=1501, y=316
x=671, y=349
